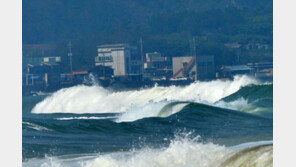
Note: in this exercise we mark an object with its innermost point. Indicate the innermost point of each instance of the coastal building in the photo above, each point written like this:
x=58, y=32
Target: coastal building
x=42, y=71
x=42, y=60
x=100, y=71
x=190, y=68
x=231, y=71
x=205, y=67
x=156, y=67
x=42, y=76
x=263, y=70
x=122, y=58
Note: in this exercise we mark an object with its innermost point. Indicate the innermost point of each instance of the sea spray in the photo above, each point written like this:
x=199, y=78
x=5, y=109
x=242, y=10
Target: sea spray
x=160, y=109
x=183, y=150
x=95, y=99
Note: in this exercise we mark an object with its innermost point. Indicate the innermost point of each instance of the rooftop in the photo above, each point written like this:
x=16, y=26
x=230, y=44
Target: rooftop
x=38, y=46
x=237, y=68
x=113, y=45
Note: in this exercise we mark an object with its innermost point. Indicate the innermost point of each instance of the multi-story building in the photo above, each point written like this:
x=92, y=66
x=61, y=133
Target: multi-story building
x=205, y=67
x=156, y=67
x=190, y=68
x=122, y=58
x=41, y=71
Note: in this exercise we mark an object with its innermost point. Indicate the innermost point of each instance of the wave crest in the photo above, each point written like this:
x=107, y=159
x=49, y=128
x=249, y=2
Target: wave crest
x=95, y=99
x=184, y=150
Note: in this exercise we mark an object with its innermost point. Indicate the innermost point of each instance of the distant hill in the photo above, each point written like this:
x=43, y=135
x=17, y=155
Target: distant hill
x=165, y=25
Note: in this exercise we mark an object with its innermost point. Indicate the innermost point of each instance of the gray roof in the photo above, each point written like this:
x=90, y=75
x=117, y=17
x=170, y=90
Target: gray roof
x=237, y=68
x=113, y=45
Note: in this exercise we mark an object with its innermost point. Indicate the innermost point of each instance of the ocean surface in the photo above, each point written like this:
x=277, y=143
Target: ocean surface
x=204, y=124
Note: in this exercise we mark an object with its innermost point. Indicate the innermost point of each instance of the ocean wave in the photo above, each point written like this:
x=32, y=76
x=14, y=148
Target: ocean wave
x=161, y=109
x=95, y=99
x=85, y=117
x=165, y=109
x=243, y=105
x=184, y=150
x=35, y=126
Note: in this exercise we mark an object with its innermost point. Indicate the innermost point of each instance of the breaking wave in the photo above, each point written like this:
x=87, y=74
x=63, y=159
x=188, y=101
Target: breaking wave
x=161, y=109
x=95, y=99
x=91, y=126
x=182, y=151
x=84, y=117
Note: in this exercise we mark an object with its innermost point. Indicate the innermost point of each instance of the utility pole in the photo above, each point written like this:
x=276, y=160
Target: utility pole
x=142, y=58
x=70, y=55
x=194, y=50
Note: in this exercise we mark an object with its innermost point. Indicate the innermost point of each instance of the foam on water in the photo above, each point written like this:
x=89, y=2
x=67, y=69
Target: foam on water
x=84, y=117
x=95, y=99
x=240, y=104
x=152, y=110
x=182, y=151
x=35, y=126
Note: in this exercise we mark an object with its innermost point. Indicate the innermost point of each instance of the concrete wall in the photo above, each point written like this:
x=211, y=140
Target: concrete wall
x=119, y=64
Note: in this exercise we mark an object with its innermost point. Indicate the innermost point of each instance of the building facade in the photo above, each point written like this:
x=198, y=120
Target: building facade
x=157, y=67
x=40, y=60
x=205, y=67
x=231, y=71
x=184, y=67
x=122, y=58
x=41, y=71
x=191, y=68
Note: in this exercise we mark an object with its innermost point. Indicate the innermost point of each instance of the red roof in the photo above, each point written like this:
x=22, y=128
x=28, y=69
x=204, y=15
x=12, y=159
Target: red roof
x=80, y=72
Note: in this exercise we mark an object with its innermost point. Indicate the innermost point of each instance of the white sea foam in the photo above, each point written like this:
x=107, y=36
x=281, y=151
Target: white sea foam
x=36, y=127
x=241, y=104
x=179, y=153
x=85, y=117
x=151, y=110
x=182, y=151
x=95, y=99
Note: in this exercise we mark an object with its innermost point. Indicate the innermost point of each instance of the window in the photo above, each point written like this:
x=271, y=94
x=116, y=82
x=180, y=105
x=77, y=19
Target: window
x=106, y=59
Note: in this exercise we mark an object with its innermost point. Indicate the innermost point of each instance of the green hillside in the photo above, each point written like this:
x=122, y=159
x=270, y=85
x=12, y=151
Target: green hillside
x=165, y=25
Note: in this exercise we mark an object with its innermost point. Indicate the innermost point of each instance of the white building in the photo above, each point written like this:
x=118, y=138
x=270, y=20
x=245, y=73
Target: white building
x=121, y=57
